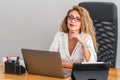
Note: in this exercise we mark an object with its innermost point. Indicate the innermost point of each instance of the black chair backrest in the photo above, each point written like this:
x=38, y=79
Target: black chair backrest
x=104, y=16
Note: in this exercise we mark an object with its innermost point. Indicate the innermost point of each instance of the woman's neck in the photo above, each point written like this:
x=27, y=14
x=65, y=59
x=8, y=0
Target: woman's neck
x=70, y=32
x=69, y=35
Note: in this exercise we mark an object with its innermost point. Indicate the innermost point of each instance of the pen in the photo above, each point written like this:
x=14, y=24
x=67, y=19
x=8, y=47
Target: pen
x=7, y=58
x=10, y=59
x=17, y=59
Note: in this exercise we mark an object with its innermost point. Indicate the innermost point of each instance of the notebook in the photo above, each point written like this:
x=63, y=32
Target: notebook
x=44, y=63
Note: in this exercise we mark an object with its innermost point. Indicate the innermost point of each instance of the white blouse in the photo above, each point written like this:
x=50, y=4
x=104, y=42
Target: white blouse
x=60, y=44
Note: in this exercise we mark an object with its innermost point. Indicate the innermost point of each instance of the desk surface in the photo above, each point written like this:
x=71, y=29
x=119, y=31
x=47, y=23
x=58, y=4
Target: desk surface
x=114, y=74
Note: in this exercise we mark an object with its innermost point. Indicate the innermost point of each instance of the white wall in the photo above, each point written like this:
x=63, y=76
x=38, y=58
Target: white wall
x=33, y=24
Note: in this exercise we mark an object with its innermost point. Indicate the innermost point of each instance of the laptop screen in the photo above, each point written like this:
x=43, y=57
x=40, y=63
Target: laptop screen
x=43, y=62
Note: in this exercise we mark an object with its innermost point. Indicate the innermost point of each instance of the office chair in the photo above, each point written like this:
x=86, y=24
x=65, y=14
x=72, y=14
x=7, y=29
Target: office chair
x=104, y=16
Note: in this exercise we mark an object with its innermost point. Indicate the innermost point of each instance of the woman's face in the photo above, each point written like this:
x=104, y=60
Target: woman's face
x=74, y=21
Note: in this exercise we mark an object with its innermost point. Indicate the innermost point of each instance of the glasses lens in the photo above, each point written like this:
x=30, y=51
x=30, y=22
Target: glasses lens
x=71, y=17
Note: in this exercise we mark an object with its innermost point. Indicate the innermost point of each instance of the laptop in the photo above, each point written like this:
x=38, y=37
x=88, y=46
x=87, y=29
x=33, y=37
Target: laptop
x=44, y=63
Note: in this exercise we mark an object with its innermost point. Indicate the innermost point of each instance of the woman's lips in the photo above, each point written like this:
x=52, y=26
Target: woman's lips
x=72, y=25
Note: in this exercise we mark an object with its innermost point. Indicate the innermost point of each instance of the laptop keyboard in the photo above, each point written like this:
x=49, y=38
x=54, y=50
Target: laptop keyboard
x=67, y=72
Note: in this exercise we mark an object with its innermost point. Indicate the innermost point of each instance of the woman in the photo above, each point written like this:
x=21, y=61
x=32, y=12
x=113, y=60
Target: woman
x=76, y=40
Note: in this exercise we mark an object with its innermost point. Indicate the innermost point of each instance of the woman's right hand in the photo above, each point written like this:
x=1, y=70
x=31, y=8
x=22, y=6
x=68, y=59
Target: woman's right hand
x=67, y=64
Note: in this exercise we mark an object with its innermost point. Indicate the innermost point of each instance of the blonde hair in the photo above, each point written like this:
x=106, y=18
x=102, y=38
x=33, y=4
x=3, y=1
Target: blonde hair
x=86, y=24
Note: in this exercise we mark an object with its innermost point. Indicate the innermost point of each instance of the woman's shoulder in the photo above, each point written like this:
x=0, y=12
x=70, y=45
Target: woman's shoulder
x=85, y=35
x=59, y=33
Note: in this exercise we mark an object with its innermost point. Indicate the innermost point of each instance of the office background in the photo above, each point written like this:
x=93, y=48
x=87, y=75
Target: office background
x=33, y=24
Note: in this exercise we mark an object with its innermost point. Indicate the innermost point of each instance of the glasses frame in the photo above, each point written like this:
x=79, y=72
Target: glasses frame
x=71, y=18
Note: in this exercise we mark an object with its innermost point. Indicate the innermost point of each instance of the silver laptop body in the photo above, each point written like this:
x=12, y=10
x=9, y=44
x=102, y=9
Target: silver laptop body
x=44, y=63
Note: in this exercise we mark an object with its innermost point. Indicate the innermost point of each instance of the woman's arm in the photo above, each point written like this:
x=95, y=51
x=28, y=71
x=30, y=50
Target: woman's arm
x=86, y=52
x=87, y=46
x=67, y=64
x=55, y=43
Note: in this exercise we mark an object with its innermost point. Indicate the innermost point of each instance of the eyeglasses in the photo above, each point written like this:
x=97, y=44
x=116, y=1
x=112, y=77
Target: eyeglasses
x=71, y=17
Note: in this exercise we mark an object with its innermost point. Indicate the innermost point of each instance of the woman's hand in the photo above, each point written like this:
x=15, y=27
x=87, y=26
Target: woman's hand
x=67, y=64
x=76, y=35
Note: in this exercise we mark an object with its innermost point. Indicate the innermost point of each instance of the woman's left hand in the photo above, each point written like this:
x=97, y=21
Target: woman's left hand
x=75, y=35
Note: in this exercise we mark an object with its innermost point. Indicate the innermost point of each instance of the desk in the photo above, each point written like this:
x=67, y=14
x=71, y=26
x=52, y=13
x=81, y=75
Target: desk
x=114, y=74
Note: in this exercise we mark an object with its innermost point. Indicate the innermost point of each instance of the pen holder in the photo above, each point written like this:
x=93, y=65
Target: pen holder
x=14, y=68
